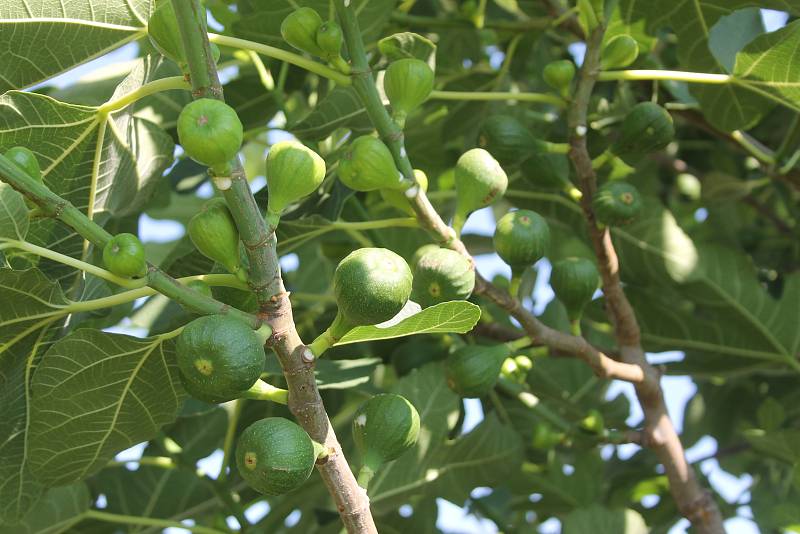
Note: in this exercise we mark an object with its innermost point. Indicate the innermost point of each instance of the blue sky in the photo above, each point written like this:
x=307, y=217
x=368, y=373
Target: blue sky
x=452, y=518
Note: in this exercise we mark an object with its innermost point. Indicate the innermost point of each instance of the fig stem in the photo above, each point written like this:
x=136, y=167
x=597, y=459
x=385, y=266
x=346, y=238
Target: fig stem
x=262, y=391
x=365, y=475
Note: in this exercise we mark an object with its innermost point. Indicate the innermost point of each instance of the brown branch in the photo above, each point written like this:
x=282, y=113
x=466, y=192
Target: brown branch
x=694, y=502
x=275, y=308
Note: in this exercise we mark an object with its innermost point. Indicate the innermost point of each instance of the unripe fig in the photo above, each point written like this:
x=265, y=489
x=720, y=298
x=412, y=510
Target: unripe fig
x=219, y=357
x=559, y=74
x=275, y=456
x=371, y=286
x=384, y=427
x=162, y=29
x=521, y=239
x=330, y=38
x=368, y=165
x=418, y=351
x=479, y=181
x=123, y=255
x=574, y=281
x=407, y=83
x=619, y=52
x=472, y=370
x=300, y=28
x=213, y=231
x=551, y=171
x=646, y=128
x=210, y=132
x=421, y=251
x=294, y=171
x=442, y=275
x=26, y=160
x=398, y=199
x=616, y=203
x=508, y=139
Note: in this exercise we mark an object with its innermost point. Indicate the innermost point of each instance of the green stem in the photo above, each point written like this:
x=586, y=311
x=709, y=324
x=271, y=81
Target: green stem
x=230, y=434
x=338, y=328
x=667, y=75
x=282, y=55
x=157, y=86
x=267, y=392
x=753, y=148
x=155, y=461
x=146, y=521
x=72, y=262
x=263, y=73
x=575, y=327
x=498, y=95
x=365, y=474
x=405, y=222
x=502, y=414
x=226, y=280
x=520, y=343
x=57, y=207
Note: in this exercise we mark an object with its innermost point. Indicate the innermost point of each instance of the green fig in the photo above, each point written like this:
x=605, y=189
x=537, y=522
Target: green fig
x=472, y=370
x=521, y=239
x=210, y=132
x=367, y=165
x=619, y=52
x=275, y=456
x=442, y=275
x=300, y=28
x=480, y=180
x=616, y=203
x=559, y=74
x=407, y=84
x=123, y=255
x=646, y=128
x=26, y=160
x=508, y=139
x=214, y=233
x=162, y=29
x=574, y=281
x=294, y=171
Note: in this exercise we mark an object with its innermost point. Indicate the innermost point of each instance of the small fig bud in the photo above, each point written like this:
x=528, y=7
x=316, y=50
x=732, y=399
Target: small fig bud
x=479, y=181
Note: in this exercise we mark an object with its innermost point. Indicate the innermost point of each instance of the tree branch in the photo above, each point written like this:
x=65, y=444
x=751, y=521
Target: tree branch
x=693, y=501
x=59, y=208
x=265, y=279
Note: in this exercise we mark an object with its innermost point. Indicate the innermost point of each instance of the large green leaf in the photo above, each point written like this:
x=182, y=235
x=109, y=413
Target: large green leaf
x=458, y=316
x=729, y=106
x=42, y=38
x=448, y=469
x=56, y=512
x=729, y=310
x=341, y=108
x=104, y=164
x=32, y=310
x=771, y=65
x=95, y=394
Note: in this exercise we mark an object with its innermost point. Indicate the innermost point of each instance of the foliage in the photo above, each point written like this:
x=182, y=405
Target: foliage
x=709, y=262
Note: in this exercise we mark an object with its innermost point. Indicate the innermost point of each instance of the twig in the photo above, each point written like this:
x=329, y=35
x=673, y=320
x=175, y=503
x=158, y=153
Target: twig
x=693, y=501
x=266, y=282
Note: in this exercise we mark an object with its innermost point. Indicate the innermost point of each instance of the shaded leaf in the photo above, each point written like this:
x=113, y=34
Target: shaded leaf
x=341, y=108
x=56, y=512
x=604, y=521
x=13, y=213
